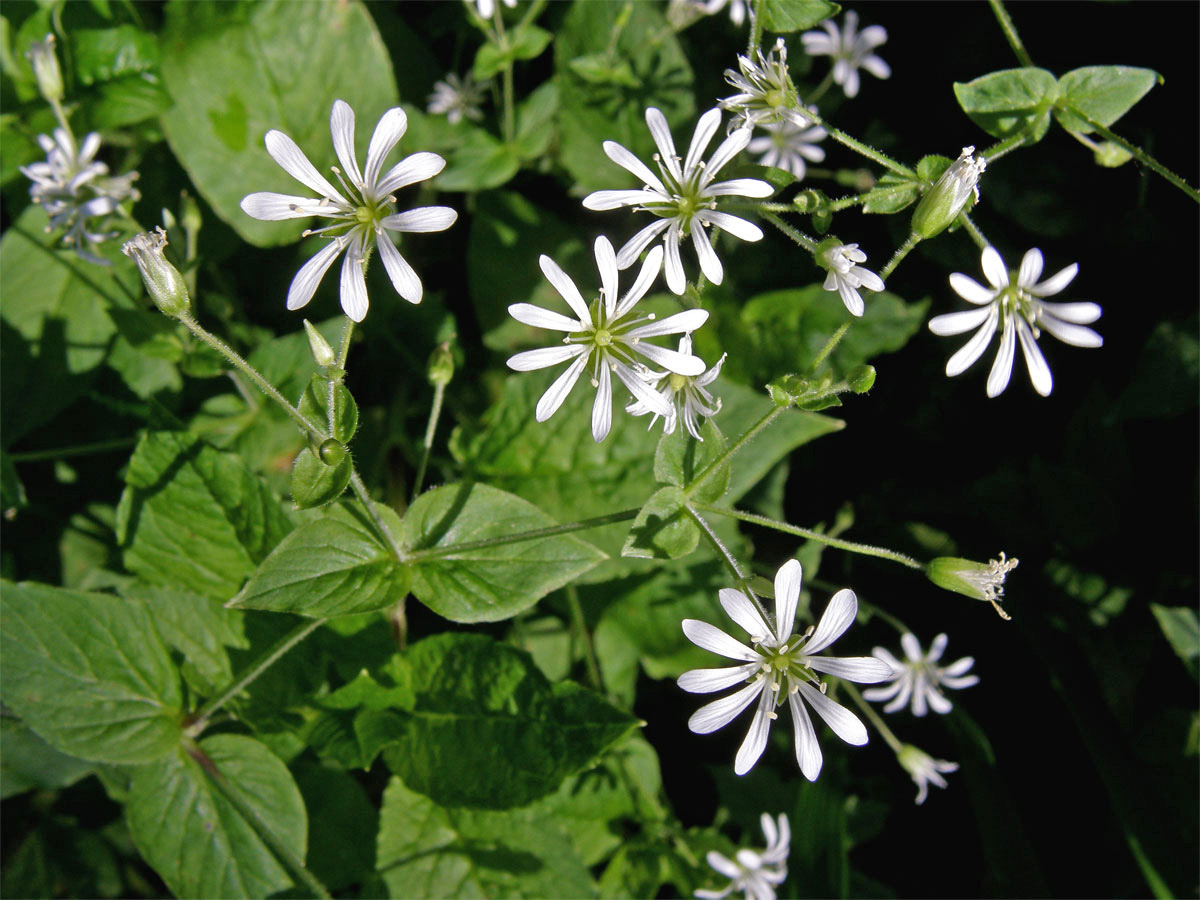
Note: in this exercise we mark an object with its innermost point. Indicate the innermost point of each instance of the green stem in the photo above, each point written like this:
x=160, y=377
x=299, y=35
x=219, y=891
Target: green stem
x=199, y=720
x=728, y=558
x=295, y=866
x=1010, y=143
x=858, y=146
x=435, y=412
x=973, y=230
x=713, y=467
x=838, y=543
x=1010, y=32
x=834, y=340
x=876, y=719
x=340, y=365
x=581, y=525
x=73, y=450
x=579, y=626
x=1138, y=153
x=253, y=374
x=798, y=237
x=360, y=491
x=818, y=92
x=902, y=251
x=756, y=27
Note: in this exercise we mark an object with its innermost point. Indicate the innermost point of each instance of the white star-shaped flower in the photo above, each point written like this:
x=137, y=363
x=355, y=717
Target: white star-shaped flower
x=755, y=873
x=850, y=50
x=765, y=93
x=361, y=215
x=919, y=679
x=1014, y=303
x=779, y=665
x=786, y=146
x=846, y=276
x=456, y=98
x=685, y=198
x=924, y=769
x=686, y=394
x=485, y=8
x=605, y=338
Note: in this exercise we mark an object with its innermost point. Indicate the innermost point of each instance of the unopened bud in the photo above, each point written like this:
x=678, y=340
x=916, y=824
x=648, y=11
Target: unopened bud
x=441, y=365
x=1111, y=155
x=861, y=379
x=982, y=581
x=945, y=200
x=163, y=281
x=321, y=350
x=45, y=69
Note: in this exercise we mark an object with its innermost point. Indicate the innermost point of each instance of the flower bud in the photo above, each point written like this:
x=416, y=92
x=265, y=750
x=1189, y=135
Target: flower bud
x=982, y=581
x=321, y=350
x=441, y=365
x=861, y=380
x=45, y=69
x=163, y=282
x=945, y=200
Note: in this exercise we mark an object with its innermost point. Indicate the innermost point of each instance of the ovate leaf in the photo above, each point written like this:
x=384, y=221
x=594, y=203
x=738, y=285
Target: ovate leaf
x=784, y=16
x=1102, y=93
x=196, y=839
x=1003, y=103
x=679, y=458
x=486, y=584
x=663, y=529
x=88, y=673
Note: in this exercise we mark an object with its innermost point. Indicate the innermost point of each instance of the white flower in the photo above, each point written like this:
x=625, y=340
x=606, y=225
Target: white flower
x=1014, y=301
x=456, y=98
x=787, y=146
x=946, y=198
x=361, y=215
x=686, y=395
x=754, y=873
x=487, y=7
x=850, y=50
x=684, y=199
x=846, y=276
x=766, y=95
x=73, y=188
x=779, y=666
x=924, y=769
x=920, y=679
x=605, y=338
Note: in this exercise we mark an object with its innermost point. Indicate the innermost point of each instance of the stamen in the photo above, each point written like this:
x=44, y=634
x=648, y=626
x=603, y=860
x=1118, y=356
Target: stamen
x=772, y=715
x=824, y=687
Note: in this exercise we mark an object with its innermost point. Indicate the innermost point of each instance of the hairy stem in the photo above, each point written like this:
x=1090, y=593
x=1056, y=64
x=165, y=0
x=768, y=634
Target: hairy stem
x=876, y=720
x=727, y=557
x=435, y=412
x=553, y=530
x=1010, y=32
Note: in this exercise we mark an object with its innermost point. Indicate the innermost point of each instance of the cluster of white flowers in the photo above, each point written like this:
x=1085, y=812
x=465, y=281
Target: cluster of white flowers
x=756, y=873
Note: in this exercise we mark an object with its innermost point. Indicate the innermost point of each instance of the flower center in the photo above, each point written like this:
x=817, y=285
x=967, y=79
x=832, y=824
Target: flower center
x=678, y=382
x=773, y=98
x=602, y=337
x=364, y=215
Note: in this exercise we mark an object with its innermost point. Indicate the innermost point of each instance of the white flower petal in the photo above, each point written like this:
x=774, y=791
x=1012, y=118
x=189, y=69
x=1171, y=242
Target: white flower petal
x=705, y=681
x=652, y=400
x=633, y=165
x=646, y=275
x=566, y=288
x=410, y=170
x=709, y=264
x=705, y=129
x=876, y=695
x=939, y=704
x=633, y=248
x=557, y=392
x=388, y=131
x=661, y=132
x=686, y=321
x=1078, y=313
x=844, y=723
x=423, y=219
x=729, y=148
x=1031, y=268
x=720, y=713
x=543, y=357
x=742, y=610
x=271, y=207
x=756, y=738
x=404, y=279
x=861, y=669
x=902, y=698
x=676, y=280
x=912, y=647
x=787, y=597
x=341, y=126
x=959, y=682
x=1056, y=282
x=1002, y=366
x=966, y=355
x=838, y=616
x=528, y=314
x=1035, y=362
x=671, y=360
x=994, y=268
x=354, y=282
x=600, y=201
x=958, y=667
x=304, y=284
x=602, y=407
x=1075, y=335
x=959, y=322
x=713, y=639
x=293, y=161
x=734, y=225
x=971, y=290
x=740, y=187
x=808, y=751
x=606, y=262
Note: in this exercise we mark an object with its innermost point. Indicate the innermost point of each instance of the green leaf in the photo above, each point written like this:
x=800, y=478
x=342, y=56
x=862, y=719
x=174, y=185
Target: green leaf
x=195, y=517
x=103, y=54
x=88, y=673
x=12, y=491
x=486, y=729
x=1181, y=628
x=196, y=839
x=29, y=763
x=333, y=566
x=892, y=194
x=1003, y=103
x=127, y=101
x=783, y=16
x=523, y=42
x=478, y=163
x=663, y=529
x=428, y=851
x=316, y=483
x=679, y=458
x=342, y=827
x=314, y=405
x=489, y=583
x=236, y=72
x=1102, y=93
x=604, y=68
x=535, y=121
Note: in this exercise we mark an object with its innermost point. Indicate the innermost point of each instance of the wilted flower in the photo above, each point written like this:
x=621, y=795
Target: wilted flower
x=983, y=581
x=1014, y=304
x=606, y=338
x=163, y=281
x=456, y=98
x=919, y=679
x=924, y=769
x=684, y=199
x=766, y=94
x=945, y=200
x=849, y=49
x=686, y=394
x=846, y=276
x=362, y=216
x=754, y=873
x=786, y=146
x=779, y=666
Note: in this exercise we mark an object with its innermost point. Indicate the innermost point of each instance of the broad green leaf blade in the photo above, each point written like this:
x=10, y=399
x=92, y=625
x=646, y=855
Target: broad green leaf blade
x=88, y=673
x=237, y=72
x=478, y=163
x=1003, y=103
x=194, y=517
x=663, y=529
x=428, y=851
x=314, y=405
x=1181, y=628
x=342, y=830
x=488, y=583
x=783, y=16
x=29, y=763
x=487, y=729
x=196, y=839
x=334, y=566
x=679, y=458
x=525, y=42
x=535, y=121
x=1102, y=93
x=315, y=483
